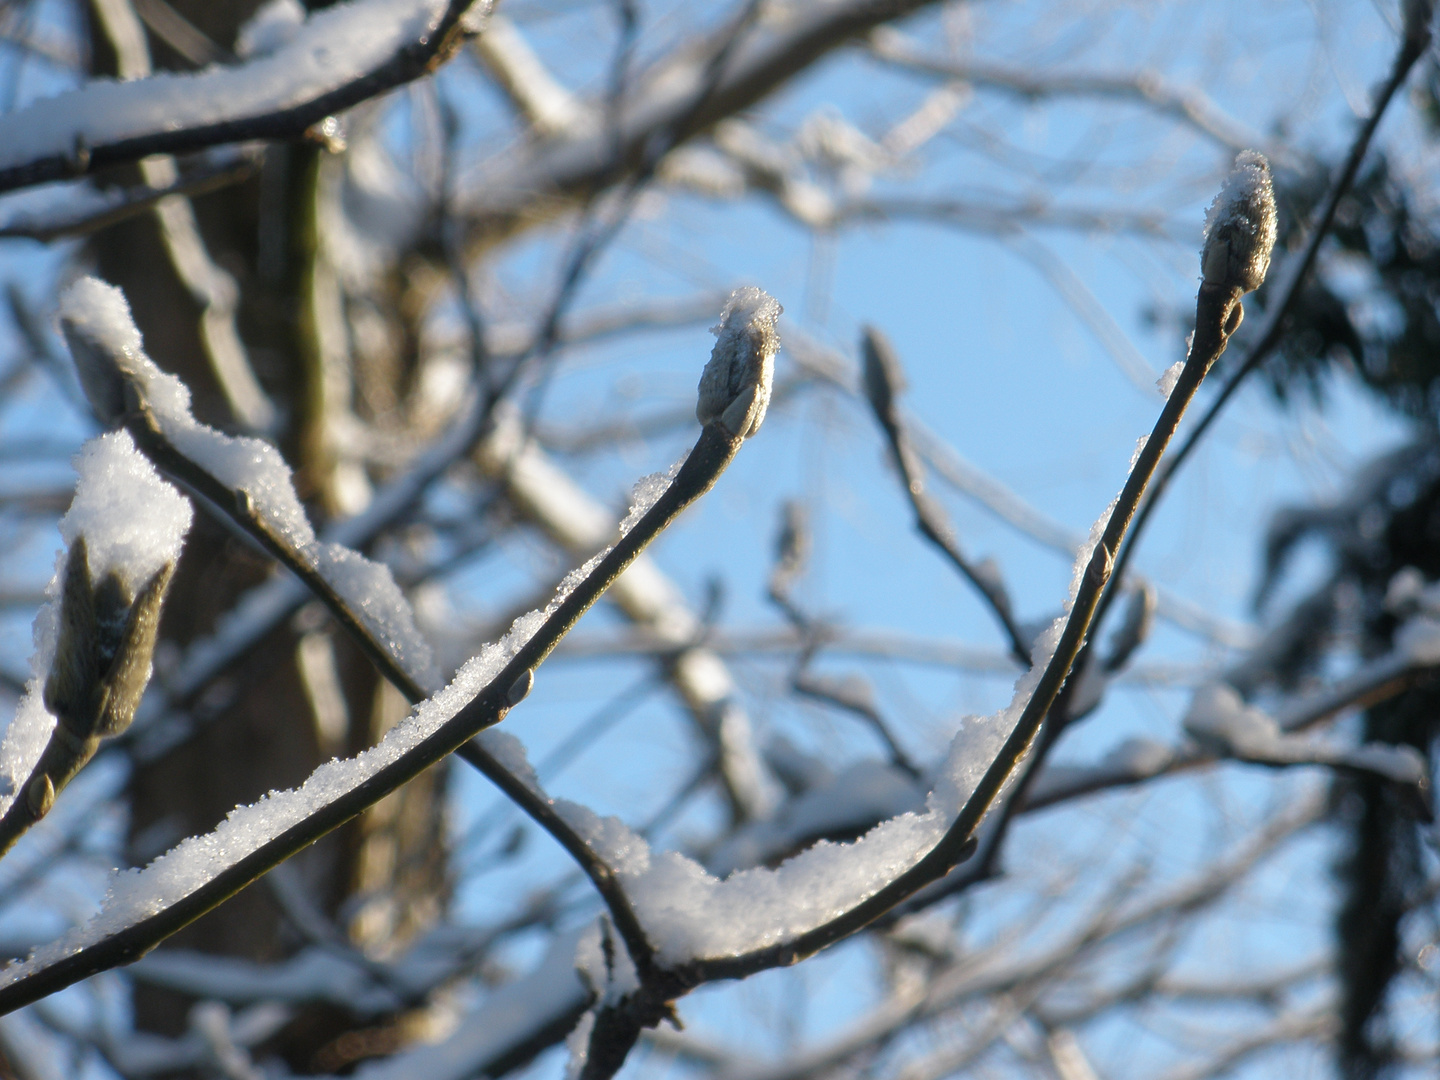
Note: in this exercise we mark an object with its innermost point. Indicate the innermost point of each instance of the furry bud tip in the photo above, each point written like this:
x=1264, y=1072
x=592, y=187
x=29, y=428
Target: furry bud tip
x=735, y=386
x=1240, y=226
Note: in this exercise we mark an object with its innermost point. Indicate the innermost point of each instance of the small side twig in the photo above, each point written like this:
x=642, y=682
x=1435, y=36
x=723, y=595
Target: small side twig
x=132, y=201
x=850, y=693
x=883, y=381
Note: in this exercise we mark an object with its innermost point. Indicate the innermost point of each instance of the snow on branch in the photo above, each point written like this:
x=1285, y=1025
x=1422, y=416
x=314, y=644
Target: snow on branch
x=679, y=96
x=1221, y=722
x=831, y=892
x=143, y=907
x=336, y=58
x=257, y=493
x=546, y=495
x=244, y=476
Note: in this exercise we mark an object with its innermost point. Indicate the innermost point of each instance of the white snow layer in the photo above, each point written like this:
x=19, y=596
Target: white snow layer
x=133, y=523
x=646, y=493
x=97, y=323
x=1247, y=183
x=331, y=49
x=1166, y=383
x=864, y=793
x=134, y=895
x=688, y=913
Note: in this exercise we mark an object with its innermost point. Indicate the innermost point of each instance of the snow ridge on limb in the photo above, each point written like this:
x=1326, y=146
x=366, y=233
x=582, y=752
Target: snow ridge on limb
x=337, y=58
x=688, y=914
x=125, y=386
x=143, y=907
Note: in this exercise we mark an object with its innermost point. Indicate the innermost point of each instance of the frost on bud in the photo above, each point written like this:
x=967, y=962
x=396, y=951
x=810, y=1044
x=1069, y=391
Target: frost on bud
x=1240, y=226
x=735, y=386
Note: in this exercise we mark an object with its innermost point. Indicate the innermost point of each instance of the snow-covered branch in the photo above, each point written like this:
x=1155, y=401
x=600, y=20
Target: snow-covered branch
x=245, y=477
x=577, y=523
x=336, y=58
x=675, y=99
x=144, y=907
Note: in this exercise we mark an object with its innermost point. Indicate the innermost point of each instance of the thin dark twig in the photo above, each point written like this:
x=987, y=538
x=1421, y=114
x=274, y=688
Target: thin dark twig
x=413, y=684
x=1411, y=49
x=238, y=507
x=851, y=694
x=1213, y=310
x=132, y=202
x=618, y=1026
x=602, y=720
x=448, y=228
x=601, y=874
x=629, y=16
x=591, y=240
x=854, y=696
x=883, y=381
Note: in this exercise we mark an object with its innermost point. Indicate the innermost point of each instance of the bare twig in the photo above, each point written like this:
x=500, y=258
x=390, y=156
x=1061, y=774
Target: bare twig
x=883, y=381
x=131, y=201
x=544, y=494
x=1236, y=254
x=683, y=95
x=1188, y=105
x=1280, y=300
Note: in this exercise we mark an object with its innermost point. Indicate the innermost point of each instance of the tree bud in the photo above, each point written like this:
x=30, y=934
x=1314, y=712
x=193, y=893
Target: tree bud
x=102, y=658
x=1240, y=226
x=735, y=386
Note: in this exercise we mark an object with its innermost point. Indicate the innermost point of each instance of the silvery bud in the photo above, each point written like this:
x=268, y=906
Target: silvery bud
x=735, y=386
x=107, y=639
x=1240, y=226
